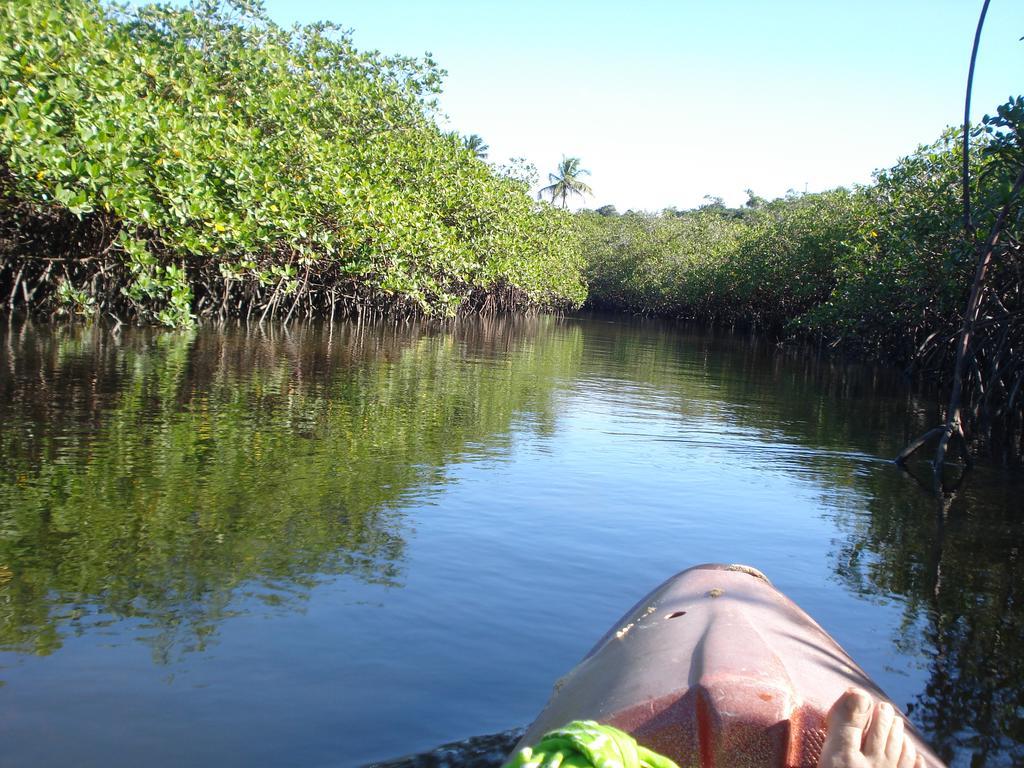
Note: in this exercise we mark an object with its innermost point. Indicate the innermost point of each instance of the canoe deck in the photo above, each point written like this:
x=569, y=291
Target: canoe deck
x=715, y=668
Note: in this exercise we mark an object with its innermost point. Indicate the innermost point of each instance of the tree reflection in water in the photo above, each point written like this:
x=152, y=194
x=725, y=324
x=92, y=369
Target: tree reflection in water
x=176, y=479
x=155, y=485
x=957, y=563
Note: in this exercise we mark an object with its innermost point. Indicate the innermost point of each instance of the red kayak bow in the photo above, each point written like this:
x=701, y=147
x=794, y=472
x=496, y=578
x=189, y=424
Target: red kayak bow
x=715, y=668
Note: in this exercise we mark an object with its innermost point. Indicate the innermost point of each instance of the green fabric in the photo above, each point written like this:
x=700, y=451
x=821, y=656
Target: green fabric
x=586, y=744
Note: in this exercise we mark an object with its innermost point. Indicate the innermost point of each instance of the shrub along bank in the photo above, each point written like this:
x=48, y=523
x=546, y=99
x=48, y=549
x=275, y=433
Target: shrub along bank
x=884, y=270
x=879, y=269
x=164, y=163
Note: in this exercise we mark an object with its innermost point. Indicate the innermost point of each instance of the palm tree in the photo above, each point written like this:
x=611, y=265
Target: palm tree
x=475, y=144
x=566, y=181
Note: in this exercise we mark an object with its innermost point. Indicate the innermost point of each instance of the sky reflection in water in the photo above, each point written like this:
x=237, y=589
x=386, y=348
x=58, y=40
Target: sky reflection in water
x=332, y=545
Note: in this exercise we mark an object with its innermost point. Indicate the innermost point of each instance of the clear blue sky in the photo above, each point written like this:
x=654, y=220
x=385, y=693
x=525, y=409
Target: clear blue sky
x=666, y=102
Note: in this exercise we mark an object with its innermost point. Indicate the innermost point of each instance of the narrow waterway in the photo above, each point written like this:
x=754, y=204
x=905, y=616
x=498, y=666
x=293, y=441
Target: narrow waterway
x=332, y=545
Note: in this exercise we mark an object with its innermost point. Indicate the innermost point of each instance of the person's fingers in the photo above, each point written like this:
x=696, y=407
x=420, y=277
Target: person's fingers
x=848, y=718
x=877, y=734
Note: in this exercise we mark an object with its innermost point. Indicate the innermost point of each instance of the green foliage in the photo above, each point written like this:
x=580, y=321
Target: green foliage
x=222, y=147
x=906, y=267
x=785, y=260
x=73, y=301
x=475, y=144
x=1005, y=134
x=567, y=181
x=655, y=264
x=906, y=273
x=708, y=263
x=880, y=268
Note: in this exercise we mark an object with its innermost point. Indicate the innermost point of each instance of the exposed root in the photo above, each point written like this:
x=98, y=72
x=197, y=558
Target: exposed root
x=53, y=263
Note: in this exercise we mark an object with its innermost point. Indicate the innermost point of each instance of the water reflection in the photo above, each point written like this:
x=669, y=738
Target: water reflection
x=153, y=476
x=412, y=531
x=957, y=564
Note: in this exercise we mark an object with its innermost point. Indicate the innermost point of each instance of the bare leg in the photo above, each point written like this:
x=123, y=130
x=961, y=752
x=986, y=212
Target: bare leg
x=863, y=734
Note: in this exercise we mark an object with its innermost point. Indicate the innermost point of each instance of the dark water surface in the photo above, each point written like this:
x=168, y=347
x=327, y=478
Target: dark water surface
x=325, y=546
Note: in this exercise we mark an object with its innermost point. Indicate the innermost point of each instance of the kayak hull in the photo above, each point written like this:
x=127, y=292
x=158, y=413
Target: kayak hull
x=716, y=667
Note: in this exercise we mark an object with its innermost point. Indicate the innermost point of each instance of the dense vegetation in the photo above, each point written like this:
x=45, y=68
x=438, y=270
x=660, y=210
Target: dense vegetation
x=880, y=267
x=884, y=269
x=163, y=163
x=764, y=265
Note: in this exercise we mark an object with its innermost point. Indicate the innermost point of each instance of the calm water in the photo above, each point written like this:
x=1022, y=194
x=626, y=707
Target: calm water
x=334, y=545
